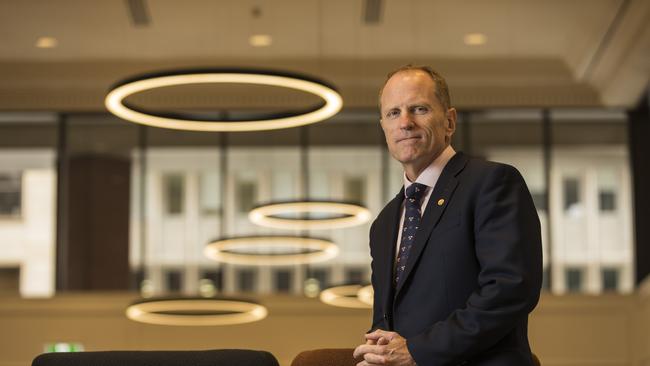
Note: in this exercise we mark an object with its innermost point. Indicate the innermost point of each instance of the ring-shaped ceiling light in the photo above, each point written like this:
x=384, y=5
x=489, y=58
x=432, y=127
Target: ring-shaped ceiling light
x=116, y=104
x=344, y=215
x=310, y=250
x=195, y=311
x=343, y=296
x=366, y=295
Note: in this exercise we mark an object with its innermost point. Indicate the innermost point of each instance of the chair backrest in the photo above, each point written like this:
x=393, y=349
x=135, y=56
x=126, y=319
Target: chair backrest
x=326, y=356
x=223, y=357
x=339, y=357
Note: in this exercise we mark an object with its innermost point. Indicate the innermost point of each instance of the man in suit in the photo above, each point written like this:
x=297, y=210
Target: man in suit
x=456, y=255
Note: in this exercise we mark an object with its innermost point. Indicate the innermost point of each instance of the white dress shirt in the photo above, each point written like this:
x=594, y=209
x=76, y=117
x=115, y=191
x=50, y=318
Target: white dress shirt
x=428, y=177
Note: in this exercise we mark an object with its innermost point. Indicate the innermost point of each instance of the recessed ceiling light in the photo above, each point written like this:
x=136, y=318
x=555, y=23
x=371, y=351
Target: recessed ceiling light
x=260, y=40
x=475, y=39
x=46, y=42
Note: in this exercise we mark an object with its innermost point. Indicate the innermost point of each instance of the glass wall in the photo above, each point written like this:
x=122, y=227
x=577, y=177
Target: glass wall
x=591, y=208
x=187, y=188
x=28, y=203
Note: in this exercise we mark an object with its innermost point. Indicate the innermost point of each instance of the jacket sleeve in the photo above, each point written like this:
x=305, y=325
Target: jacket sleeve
x=509, y=252
x=378, y=306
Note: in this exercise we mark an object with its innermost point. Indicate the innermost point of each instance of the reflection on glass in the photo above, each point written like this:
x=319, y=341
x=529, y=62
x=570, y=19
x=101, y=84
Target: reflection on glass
x=10, y=194
x=321, y=275
x=209, y=193
x=355, y=275
x=354, y=190
x=173, y=185
x=174, y=280
x=246, y=196
x=607, y=201
x=215, y=277
x=610, y=278
x=246, y=279
x=572, y=205
x=283, y=280
x=573, y=279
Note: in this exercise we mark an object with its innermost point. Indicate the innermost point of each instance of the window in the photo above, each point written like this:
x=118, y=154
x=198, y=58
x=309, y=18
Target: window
x=574, y=279
x=246, y=280
x=607, y=200
x=173, y=191
x=246, y=196
x=546, y=285
x=353, y=189
x=354, y=275
x=216, y=276
x=571, y=194
x=10, y=194
x=539, y=199
x=174, y=280
x=209, y=193
x=137, y=276
x=9, y=280
x=283, y=280
x=322, y=275
x=610, y=279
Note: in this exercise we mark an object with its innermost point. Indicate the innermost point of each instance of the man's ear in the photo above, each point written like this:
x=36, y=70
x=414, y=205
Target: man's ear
x=452, y=117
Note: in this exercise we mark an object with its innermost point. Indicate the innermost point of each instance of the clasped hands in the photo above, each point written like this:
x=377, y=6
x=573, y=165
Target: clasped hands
x=384, y=348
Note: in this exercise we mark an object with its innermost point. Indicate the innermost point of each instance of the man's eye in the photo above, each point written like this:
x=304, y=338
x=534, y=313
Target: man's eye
x=420, y=109
x=392, y=114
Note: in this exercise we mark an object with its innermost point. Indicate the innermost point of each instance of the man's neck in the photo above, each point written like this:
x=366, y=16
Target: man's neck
x=414, y=170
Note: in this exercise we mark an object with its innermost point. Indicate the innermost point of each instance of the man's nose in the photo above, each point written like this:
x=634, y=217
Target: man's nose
x=406, y=121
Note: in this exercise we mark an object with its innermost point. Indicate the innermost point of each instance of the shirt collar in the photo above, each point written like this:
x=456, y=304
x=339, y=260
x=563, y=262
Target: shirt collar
x=429, y=177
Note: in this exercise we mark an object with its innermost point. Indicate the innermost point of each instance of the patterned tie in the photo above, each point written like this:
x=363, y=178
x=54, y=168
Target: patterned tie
x=412, y=214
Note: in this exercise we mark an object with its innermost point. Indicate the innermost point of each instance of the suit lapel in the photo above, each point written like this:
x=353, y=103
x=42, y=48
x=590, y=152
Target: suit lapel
x=438, y=202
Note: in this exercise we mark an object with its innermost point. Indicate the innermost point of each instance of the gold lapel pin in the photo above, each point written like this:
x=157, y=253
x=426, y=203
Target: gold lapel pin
x=441, y=202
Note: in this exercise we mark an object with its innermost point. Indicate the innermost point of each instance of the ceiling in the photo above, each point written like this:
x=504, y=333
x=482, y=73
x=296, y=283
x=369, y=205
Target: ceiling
x=562, y=53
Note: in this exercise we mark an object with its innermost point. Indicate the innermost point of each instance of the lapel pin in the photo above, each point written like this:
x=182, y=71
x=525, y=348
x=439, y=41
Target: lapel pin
x=441, y=202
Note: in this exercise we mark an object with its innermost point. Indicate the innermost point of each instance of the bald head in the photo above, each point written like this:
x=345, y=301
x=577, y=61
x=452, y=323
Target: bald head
x=440, y=84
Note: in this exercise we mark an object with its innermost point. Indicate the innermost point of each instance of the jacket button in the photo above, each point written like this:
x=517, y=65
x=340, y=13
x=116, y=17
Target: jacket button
x=385, y=316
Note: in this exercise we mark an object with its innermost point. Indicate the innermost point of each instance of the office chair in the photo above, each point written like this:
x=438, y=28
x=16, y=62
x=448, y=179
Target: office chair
x=223, y=357
x=338, y=357
x=326, y=357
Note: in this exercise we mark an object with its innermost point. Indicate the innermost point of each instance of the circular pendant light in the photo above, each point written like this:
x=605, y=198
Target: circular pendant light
x=306, y=214
x=366, y=295
x=271, y=250
x=343, y=214
x=116, y=104
x=343, y=296
x=195, y=311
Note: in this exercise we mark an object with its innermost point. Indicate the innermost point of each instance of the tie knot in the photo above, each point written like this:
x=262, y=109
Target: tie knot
x=416, y=191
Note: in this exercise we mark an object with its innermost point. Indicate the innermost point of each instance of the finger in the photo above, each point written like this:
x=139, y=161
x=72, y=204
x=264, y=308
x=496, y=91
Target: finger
x=357, y=352
x=374, y=335
x=363, y=349
x=385, y=334
x=372, y=358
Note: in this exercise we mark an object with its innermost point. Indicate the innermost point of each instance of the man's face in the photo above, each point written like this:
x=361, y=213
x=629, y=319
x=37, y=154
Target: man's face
x=416, y=125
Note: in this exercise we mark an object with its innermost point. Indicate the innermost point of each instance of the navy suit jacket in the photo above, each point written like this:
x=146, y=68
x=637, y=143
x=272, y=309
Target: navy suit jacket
x=474, y=272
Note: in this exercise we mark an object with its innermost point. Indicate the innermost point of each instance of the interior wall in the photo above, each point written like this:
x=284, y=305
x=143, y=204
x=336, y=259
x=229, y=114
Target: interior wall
x=574, y=330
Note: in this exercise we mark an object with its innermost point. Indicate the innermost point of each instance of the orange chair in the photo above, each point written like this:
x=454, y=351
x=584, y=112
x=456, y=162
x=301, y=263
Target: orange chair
x=338, y=357
x=326, y=357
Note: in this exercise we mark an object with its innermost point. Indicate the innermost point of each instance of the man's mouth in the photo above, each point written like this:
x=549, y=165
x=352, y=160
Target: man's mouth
x=408, y=138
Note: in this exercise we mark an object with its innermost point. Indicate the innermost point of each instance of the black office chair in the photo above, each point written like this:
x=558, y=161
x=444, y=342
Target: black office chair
x=223, y=357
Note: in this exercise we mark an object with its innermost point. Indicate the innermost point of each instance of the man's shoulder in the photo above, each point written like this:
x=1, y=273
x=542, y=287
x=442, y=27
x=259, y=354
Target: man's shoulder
x=483, y=167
